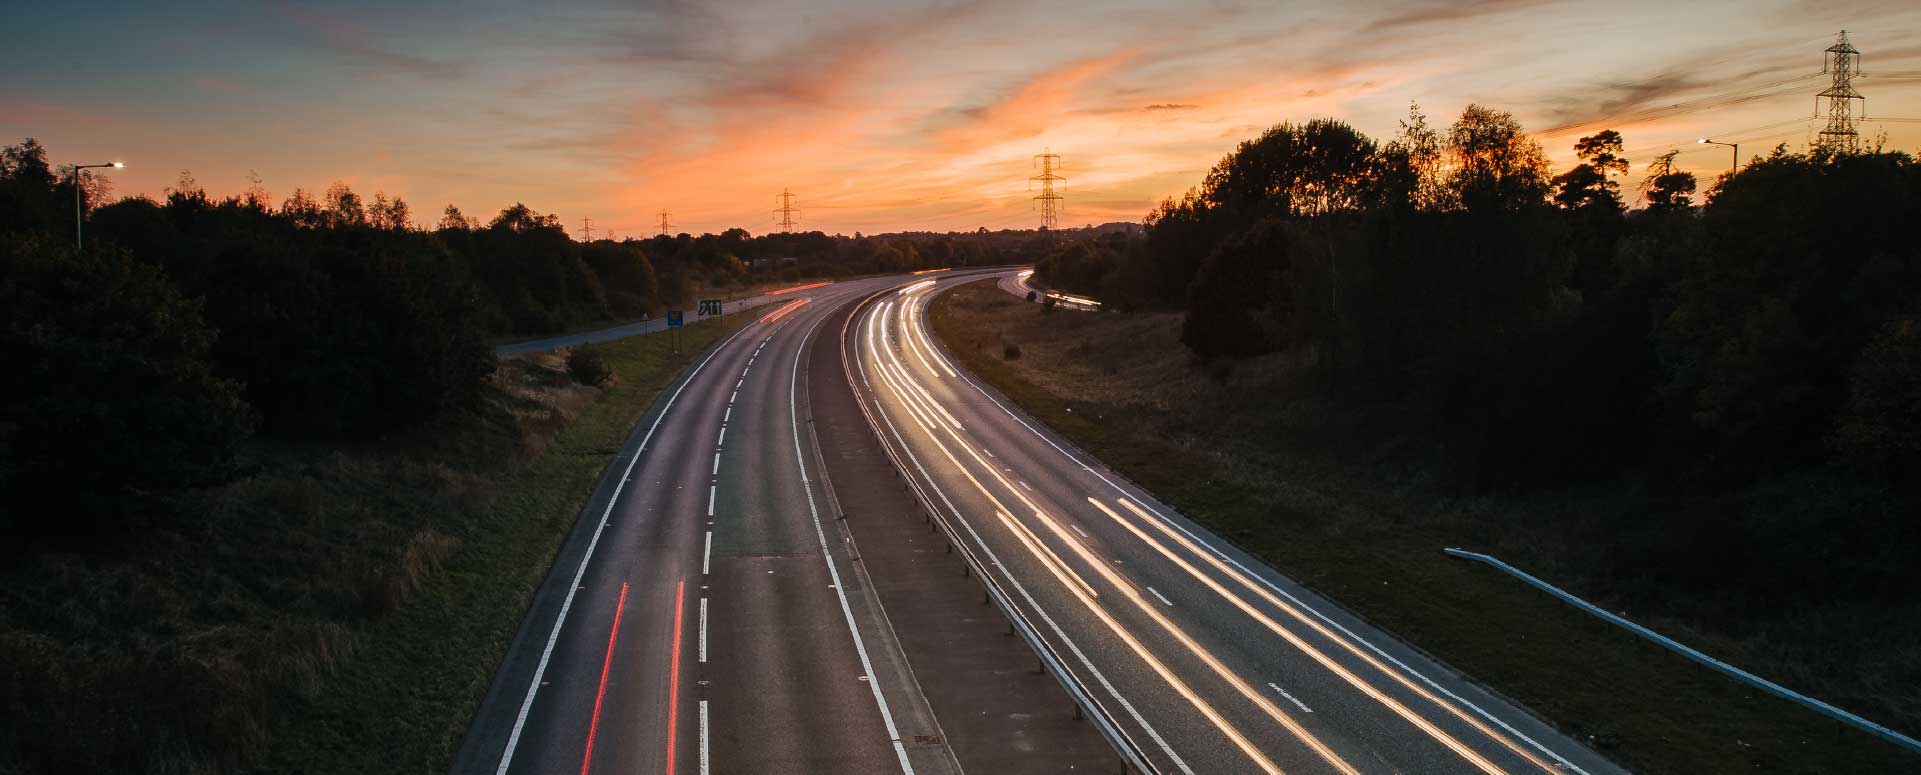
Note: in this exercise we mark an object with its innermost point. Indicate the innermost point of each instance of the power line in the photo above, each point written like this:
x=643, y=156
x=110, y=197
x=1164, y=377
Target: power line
x=1050, y=201
x=786, y=210
x=1842, y=60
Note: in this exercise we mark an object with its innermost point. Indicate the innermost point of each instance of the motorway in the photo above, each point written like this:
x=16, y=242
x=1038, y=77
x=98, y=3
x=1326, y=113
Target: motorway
x=707, y=614
x=703, y=616
x=1209, y=661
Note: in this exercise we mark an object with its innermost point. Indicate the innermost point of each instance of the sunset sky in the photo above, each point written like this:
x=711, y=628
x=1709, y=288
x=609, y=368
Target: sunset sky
x=881, y=116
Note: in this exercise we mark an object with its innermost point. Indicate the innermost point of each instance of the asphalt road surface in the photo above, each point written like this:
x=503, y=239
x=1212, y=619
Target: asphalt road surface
x=704, y=615
x=1209, y=660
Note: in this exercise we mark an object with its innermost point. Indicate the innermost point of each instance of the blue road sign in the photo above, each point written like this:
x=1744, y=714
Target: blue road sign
x=673, y=318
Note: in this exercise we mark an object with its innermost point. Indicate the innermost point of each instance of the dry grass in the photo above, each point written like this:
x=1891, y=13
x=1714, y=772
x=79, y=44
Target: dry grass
x=1343, y=500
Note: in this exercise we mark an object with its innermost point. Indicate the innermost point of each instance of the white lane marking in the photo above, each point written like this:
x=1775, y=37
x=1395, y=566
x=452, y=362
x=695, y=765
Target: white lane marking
x=567, y=603
x=1074, y=648
x=716, y=464
x=731, y=397
x=703, y=629
x=1290, y=698
x=1264, y=581
x=1077, y=529
x=1030, y=488
x=989, y=453
x=722, y=439
x=707, y=554
x=703, y=736
x=820, y=533
x=729, y=415
x=711, y=489
x=1163, y=598
x=737, y=382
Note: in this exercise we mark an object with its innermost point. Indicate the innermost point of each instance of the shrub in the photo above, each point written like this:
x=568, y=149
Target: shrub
x=588, y=367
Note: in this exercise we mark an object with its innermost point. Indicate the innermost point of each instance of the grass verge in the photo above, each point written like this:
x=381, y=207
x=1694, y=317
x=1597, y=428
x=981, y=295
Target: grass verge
x=404, y=704
x=1265, y=469
x=340, y=609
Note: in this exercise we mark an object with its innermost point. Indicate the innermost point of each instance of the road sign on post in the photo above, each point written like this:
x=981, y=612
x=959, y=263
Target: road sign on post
x=709, y=308
x=674, y=323
x=673, y=318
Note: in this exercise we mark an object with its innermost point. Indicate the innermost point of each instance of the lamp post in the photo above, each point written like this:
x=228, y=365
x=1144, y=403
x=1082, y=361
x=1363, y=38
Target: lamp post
x=77, y=210
x=1736, y=166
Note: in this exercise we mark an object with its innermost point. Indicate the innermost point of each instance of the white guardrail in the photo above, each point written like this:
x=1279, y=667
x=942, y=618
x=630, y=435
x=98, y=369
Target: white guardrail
x=1090, y=707
x=1684, y=650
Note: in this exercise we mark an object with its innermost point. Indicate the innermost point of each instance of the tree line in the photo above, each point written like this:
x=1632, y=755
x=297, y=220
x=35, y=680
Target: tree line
x=1713, y=344
x=185, y=326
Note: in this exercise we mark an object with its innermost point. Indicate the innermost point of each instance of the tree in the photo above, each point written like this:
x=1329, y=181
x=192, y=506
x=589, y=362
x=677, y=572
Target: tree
x=30, y=199
x=451, y=219
x=1665, y=187
x=1495, y=165
x=108, y=388
x=344, y=206
x=1590, y=185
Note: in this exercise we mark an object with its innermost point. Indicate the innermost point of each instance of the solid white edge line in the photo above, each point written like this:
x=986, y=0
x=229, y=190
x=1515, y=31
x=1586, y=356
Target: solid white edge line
x=1143, y=501
x=820, y=533
x=547, y=653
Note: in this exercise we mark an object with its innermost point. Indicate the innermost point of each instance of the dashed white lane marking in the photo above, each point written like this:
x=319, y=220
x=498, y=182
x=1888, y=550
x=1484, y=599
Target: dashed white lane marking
x=729, y=415
x=1030, y=488
x=703, y=737
x=716, y=463
x=723, y=436
x=703, y=629
x=731, y=396
x=711, y=489
x=1290, y=698
x=1163, y=598
x=707, y=554
x=989, y=454
x=1077, y=529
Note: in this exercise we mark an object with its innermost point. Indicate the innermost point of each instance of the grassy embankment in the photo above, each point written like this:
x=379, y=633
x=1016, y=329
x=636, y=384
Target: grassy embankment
x=340, y=610
x=1336, y=500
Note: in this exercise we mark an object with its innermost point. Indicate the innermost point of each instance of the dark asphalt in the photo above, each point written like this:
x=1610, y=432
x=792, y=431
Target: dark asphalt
x=794, y=676
x=1215, y=662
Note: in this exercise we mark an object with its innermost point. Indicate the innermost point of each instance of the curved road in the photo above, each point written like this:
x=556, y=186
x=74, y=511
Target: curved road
x=1210, y=661
x=705, y=615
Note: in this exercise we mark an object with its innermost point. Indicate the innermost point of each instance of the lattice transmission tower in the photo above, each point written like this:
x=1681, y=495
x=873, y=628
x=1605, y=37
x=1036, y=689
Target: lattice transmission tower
x=1843, y=61
x=786, y=211
x=587, y=229
x=666, y=222
x=1050, y=201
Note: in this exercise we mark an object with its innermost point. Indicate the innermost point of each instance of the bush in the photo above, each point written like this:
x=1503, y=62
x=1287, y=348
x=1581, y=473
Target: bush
x=107, y=387
x=1010, y=352
x=588, y=367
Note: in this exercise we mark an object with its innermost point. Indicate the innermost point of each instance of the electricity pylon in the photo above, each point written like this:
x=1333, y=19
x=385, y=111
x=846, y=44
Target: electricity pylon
x=1844, y=62
x=786, y=211
x=1050, y=201
x=666, y=222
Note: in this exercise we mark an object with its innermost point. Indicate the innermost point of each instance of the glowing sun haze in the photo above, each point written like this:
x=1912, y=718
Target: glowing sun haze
x=880, y=116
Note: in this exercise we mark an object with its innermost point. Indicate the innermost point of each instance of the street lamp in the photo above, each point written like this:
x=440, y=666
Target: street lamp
x=76, y=195
x=1737, y=153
